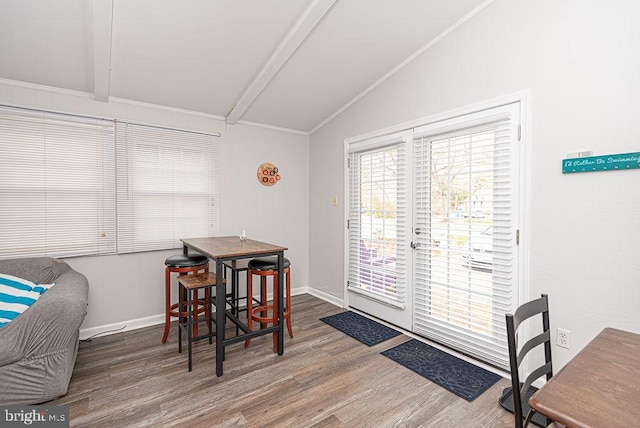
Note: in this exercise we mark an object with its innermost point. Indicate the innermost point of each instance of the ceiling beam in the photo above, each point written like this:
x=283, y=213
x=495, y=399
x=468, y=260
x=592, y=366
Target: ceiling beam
x=102, y=32
x=304, y=26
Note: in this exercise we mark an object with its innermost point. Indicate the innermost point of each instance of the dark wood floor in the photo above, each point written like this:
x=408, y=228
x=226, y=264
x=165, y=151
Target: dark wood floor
x=324, y=379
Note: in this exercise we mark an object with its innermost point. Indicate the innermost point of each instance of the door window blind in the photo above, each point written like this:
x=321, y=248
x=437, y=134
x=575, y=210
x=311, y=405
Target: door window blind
x=378, y=215
x=466, y=209
x=57, y=184
x=168, y=186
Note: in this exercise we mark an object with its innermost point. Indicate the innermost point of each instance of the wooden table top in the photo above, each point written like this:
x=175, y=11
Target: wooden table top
x=599, y=387
x=221, y=247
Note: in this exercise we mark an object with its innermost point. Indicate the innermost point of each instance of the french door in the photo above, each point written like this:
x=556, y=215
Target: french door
x=433, y=227
x=379, y=228
x=465, y=270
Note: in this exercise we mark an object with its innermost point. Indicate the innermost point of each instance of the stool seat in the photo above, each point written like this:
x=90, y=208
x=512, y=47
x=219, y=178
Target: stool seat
x=267, y=263
x=186, y=260
x=239, y=265
x=201, y=280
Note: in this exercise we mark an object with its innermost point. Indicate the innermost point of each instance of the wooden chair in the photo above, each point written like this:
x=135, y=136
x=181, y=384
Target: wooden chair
x=266, y=313
x=519, y=392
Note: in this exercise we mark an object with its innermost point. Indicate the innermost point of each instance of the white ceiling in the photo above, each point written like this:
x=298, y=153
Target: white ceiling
x=284, y=63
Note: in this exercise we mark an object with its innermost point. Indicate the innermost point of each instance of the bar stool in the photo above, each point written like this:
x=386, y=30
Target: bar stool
x=266, y=313
x=188, y=285
x=182, y=264
x=234, y=298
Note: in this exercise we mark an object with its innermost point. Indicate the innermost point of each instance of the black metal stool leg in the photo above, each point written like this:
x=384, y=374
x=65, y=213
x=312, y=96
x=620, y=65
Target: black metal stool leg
x=234, y=296
x=189, y=326
x=180, y=303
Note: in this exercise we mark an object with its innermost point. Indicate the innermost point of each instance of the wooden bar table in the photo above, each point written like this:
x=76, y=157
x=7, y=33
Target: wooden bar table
x=227, y=248
x=599, y=387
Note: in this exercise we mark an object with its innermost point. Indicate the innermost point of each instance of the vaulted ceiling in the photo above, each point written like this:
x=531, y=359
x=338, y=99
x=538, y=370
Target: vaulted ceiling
x=286, y=63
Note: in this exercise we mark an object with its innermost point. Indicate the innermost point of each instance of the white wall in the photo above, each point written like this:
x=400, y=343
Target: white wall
x=278, y=214
x=129, y=289
x=580, y=61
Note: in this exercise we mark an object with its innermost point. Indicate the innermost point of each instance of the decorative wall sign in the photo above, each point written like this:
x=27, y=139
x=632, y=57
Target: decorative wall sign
x=614, y=162
x=268, y=174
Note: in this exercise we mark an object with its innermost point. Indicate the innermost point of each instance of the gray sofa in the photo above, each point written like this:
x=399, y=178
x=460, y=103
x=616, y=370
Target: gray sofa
x=38, y=349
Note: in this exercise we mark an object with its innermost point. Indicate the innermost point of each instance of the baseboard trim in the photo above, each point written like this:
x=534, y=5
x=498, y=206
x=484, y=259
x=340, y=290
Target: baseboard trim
x=119, y=327
x=326, y=297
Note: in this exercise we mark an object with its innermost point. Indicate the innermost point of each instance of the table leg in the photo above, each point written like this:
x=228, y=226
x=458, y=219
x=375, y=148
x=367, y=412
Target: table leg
x=234, y=293
x=280, y=303
x=221, y=292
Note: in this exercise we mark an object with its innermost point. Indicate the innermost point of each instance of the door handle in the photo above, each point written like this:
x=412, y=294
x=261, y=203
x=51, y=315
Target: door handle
x=415, y=245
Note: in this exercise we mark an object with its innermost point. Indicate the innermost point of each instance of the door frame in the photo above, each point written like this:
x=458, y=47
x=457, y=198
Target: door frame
x=521, y=97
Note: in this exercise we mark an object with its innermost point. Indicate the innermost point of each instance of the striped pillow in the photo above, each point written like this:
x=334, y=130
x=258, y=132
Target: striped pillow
x=16, y=295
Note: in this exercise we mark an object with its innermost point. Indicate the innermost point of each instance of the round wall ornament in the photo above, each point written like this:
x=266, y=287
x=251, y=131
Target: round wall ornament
x=268, y=174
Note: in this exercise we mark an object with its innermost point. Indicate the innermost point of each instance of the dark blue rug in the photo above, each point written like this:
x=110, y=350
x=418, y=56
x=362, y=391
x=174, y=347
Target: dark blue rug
x=361, y=328
x=453, y=374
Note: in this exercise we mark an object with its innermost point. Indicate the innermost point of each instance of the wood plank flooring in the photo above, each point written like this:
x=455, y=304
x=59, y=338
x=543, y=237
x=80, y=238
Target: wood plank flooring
x=324, y=379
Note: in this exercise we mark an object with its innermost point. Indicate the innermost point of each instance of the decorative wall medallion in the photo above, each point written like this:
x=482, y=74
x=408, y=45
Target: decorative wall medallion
x=268, y=174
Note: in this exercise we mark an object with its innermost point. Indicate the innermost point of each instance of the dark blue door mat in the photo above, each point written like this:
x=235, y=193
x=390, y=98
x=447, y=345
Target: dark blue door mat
x=360, y=328
x=453, y=374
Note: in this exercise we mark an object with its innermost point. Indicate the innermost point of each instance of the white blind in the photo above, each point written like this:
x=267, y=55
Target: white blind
x=168, y=186
x=57, y=184
x=465, y=212
x=378, y=216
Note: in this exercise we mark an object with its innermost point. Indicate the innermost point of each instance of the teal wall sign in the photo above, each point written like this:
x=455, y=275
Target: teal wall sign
x=601, y=163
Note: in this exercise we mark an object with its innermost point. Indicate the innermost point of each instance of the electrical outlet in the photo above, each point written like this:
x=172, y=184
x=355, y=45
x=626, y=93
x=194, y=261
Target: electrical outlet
x=563, y=338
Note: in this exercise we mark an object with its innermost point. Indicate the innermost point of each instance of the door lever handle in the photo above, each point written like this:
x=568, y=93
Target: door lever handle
x=415, y=245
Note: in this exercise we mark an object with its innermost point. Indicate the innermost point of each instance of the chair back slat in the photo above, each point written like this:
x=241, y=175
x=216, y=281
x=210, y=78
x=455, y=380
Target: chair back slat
x=529, y=309
x=516, y=357
x=533, y=343
x=537, y=373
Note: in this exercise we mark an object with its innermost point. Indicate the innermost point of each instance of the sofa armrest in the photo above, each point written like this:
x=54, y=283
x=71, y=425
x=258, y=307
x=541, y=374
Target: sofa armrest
x=50, y=324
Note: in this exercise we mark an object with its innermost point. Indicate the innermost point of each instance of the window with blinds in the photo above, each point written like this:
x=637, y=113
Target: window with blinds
x=378, y=216
x=465, y=202
x=57, y=184
x=168, y=186
x=74, y=185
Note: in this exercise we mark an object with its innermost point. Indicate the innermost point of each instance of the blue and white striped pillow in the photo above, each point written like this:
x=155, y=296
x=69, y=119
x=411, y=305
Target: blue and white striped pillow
x=16, y=295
